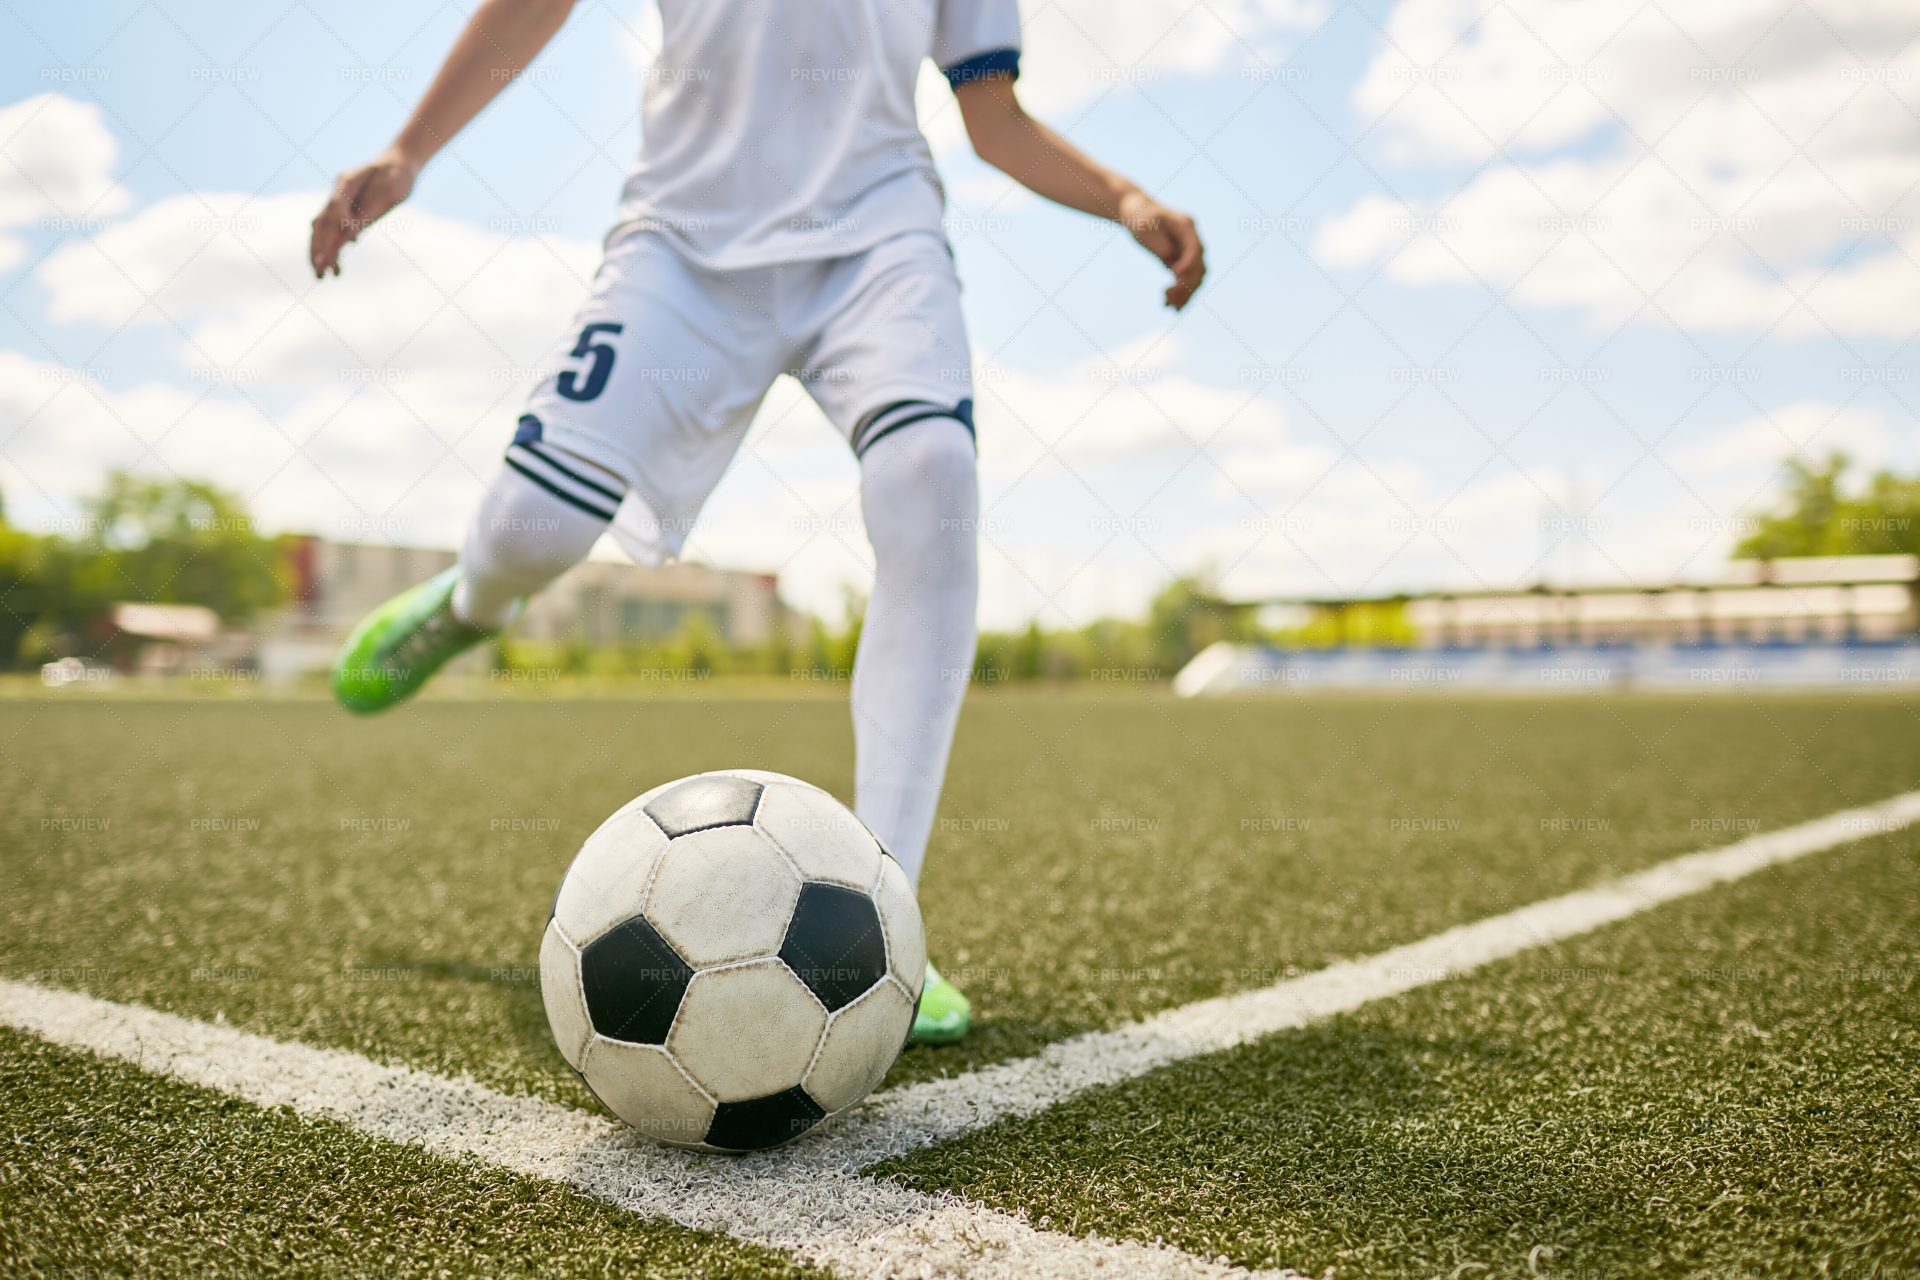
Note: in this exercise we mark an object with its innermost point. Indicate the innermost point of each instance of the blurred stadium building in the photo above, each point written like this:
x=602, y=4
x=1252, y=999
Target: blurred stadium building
x=1830, y=598
x=1814, y=622
x=596, y=603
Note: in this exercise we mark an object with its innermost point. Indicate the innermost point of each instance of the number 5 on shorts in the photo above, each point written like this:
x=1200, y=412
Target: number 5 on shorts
x=598, y=372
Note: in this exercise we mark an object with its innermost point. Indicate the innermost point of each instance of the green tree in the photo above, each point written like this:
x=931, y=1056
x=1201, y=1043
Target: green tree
x=176, y=542
x=830, y=652
x=1819, y=517
x=25, y=597
x=1187, y=616
x=1029, y=653
x=1890, y=515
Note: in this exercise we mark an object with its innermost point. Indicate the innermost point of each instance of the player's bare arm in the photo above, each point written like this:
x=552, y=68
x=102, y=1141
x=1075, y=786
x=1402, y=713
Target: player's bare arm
x=499, y=41
x=1036, y=157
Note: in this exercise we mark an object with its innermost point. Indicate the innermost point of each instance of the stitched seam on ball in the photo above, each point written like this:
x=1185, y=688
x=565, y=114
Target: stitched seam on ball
x=653, y=872
x=686, y=1075
x=767, y=835
x=820, y=1045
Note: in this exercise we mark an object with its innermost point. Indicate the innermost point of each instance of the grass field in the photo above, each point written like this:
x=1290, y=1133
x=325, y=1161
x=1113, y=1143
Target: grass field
x=1729, y=1086
x=379, y=886
x=113, y=1171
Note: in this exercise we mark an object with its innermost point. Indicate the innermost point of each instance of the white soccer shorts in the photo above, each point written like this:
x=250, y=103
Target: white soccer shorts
x=668, y=363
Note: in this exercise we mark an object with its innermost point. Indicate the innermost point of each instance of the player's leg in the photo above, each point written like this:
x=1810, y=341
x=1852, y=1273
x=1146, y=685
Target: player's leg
x=892, y=369
x=541, y=514
x=920, y=498
x=659, y=380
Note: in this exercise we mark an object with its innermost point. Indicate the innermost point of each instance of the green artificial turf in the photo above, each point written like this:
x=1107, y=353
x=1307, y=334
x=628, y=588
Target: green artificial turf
x=109, y=1171
x=1727, y=1086
x=1098, y=855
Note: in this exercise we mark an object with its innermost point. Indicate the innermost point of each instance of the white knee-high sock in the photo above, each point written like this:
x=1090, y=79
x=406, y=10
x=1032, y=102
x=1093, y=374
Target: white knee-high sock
x=522, y=537
x=921, y=500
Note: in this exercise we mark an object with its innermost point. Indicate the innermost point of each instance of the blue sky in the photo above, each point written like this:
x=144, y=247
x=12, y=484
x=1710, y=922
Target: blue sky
x=1498, y=292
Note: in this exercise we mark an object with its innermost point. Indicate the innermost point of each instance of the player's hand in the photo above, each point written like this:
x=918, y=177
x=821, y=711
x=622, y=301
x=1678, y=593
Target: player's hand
x=1170, y=236
x=359, y=198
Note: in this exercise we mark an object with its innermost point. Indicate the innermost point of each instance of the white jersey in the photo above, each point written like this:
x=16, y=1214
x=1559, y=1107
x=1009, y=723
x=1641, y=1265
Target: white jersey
x=785, y=131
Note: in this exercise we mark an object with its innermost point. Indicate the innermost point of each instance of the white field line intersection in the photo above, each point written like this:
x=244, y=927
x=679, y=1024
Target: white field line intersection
x=810, y=1198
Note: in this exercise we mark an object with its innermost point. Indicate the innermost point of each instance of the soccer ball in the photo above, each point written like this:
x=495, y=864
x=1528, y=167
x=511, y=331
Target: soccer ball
x=731, y=959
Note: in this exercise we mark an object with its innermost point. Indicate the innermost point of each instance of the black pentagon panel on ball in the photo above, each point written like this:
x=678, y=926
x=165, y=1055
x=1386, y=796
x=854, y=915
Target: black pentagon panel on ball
x=759, y=1123
x=699, y=803
x=835, y=943
x=633, y=982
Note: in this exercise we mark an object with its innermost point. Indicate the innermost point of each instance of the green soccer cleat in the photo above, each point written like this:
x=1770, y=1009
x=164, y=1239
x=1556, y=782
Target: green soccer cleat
x=399, y=645
x=944, y=1014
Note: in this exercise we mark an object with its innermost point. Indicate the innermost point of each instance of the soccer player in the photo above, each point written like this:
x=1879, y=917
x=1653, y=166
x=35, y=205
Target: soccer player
x=783, y=217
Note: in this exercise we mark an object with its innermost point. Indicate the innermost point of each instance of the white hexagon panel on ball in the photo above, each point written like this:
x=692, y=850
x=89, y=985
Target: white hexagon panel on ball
x=722, y=895
x=747, y=1031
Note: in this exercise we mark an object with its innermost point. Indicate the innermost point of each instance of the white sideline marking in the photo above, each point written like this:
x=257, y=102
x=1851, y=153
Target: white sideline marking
x=821, y=1209
x=810, y=1198
x=902, y=1119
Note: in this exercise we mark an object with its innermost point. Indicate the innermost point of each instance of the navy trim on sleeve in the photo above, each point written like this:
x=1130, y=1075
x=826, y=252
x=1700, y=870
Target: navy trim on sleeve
x=980, y=65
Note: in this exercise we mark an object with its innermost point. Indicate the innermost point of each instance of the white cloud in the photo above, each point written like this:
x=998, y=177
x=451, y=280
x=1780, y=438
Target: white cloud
x=1128, y=407
x=229, y=272
x=1063, y=591
x=1706, y=161
x=1074, y=48
x=387, y=392
x=56, y=168
x=1299, y=522
x=1303, y=521
x=640, y=36
x=939, y=113
x=64, y=426
x=1806, y=429
x=1073, y=51
x=790, y=504
x=326, y=462
x=1058, y=452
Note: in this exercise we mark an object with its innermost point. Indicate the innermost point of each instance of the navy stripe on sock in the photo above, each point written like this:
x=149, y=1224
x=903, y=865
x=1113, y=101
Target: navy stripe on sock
x=890, y=418
x=894, y=424
x=547, y=464
x=570, y=473
x=572, y=500
x=866, y=424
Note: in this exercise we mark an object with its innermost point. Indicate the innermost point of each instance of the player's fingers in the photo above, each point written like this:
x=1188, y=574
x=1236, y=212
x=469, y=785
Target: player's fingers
x=1185, y=257
x=340, y=223
x=1190, y=255
x=354, y=211
x=1166, y=244
x=1153, y=238
x=1185, y=286
x=324, y=249
x=1190, y=278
